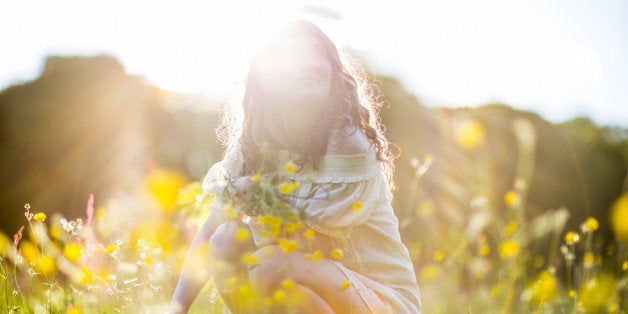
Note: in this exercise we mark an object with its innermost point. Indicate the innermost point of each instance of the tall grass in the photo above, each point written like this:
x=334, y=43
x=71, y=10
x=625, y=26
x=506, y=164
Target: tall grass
x=125, y=255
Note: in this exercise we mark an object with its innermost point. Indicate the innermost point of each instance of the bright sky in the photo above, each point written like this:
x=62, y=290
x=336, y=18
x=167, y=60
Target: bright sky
x=560, y=58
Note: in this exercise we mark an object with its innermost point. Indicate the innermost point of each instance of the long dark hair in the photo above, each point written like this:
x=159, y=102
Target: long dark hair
x=352, y=104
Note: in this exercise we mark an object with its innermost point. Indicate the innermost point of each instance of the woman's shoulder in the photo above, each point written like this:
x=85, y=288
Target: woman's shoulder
x=353, y=142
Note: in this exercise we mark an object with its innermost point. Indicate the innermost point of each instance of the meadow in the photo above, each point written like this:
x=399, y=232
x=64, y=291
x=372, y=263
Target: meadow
x=124, y=254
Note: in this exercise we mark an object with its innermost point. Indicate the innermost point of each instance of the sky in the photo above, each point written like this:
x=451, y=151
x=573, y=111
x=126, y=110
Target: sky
x=560, y=59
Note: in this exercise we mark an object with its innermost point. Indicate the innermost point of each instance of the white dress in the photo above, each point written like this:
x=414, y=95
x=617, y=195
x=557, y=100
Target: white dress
x=374, y=259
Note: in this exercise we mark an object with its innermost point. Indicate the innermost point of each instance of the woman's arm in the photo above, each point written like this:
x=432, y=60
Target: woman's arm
x=195, y=271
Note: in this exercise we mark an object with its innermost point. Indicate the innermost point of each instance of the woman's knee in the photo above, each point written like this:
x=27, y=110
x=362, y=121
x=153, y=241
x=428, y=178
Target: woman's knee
x=273, y=265
x=230, y=240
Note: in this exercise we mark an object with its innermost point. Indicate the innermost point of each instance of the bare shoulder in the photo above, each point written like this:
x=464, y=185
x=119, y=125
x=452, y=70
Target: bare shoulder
x=356, y=142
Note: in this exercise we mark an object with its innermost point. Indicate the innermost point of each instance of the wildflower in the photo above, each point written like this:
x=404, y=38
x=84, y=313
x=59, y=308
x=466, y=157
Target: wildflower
x=315, y=256
x=596, y=293
x=510, y=228
x=230, y=212
x=511, y=198
x=72, y=310
x=357, y=206
x=508, y=249
x=288, y=284
x=484, y=250
x=4, y=243
x=438, y=255
x=470, y=133
x=345, y=285
x=619, y=217
x=290, y=167
x=85, y=276
x=624, y=265
x=249, y=259
x=589, y=225
x=309, y=233
x=293, y=226
x=55, y=232
x=41, y=217
x=256, y=177
x=572, y=237
x=288, y=246
x=336, y=253
x=242, y=234
x=112, y=249
x=572, y=293
x=72, y=251
x=230, y=282
x=17, y=237
x=164, y=186
x=541, y=289
x=425, y=209
x=430, y=272
x=588, y=259
x=280, y=296
x=287, y=187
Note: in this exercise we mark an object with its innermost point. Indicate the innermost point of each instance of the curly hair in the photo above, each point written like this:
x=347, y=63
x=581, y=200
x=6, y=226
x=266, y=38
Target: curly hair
x=352, y=104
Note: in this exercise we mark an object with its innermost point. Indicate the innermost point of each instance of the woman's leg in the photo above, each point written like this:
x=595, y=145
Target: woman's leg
x=228, y=245
x=323, y=283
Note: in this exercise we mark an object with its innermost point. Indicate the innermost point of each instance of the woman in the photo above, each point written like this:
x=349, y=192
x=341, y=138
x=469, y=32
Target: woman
x=308, y=121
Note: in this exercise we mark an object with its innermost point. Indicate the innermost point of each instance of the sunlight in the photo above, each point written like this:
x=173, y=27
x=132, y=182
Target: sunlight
x=208, y=51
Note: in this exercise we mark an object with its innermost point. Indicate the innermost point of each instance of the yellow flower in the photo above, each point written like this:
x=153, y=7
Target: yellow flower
x=510, y=228
x=85, y=276
x=280, y=296
x=590, y=224
x=288, y=246
x=596, y=293
x=588, y=259
x=290, y=167
x=41, y=217
x=317, y=255
x=72, y=310
x=72, y=251
x=470, y=133
x=230, y=212
x=288, y=284
x=164, y=186
x=293, y=226
x=345, y=285
x=309, y=233
x=336, y=254
x=112, y=248
x=425, y=209
x=5, y=243
x=242, y=234
x=438, y=256
x=484, y=250
x=249, y=258
x=619, y=217
x=45, y=265
x=286, y=187
x=256, y=178
x=541, y=289
x=508, y=249
x=429, y=272
x=357, y=206
x=55, y=232
x=572, y=237
x=230, y=282
x=624, y=265
x=511, y=198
